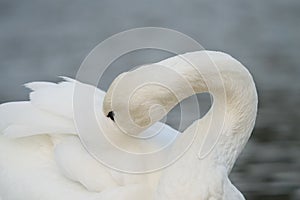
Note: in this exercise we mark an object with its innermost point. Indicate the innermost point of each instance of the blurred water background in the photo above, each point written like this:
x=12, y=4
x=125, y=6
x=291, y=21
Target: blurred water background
x=40, y=40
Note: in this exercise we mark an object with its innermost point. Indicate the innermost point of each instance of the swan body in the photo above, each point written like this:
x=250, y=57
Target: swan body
x=42, y=157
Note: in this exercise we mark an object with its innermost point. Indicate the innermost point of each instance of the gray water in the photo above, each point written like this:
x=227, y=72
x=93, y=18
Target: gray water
x=40, y=40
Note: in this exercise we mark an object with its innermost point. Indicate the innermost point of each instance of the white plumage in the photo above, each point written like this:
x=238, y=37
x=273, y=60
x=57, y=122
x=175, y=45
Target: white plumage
x=52, y=163
x=42, y=158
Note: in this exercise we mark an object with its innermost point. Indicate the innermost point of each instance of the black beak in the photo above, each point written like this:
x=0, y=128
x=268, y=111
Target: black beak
x=111, y=115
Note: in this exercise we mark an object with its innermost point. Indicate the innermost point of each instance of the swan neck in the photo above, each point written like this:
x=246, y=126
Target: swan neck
x=231, y=118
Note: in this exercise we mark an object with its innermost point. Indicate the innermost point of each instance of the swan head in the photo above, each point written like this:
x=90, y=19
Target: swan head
x=137, y=99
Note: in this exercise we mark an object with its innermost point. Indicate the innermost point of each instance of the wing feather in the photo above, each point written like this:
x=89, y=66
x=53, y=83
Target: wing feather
x=49, y=111
x=21, y=119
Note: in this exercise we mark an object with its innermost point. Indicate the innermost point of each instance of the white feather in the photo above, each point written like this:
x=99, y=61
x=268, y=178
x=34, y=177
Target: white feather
x=21, y=119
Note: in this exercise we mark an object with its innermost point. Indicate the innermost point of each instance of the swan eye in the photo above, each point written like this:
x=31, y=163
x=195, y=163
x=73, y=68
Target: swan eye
x=111, y=115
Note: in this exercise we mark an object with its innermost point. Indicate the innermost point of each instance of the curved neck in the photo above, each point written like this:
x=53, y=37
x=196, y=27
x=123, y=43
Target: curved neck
x=226, y=128
x=146, y=94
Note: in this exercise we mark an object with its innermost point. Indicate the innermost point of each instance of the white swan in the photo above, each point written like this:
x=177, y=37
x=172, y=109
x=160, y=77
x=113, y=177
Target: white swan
x=41, y=156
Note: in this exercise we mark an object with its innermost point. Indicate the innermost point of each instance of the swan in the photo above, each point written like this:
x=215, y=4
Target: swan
x=42, y=156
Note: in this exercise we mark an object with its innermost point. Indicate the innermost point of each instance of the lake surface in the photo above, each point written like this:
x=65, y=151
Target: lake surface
x=41, y=40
